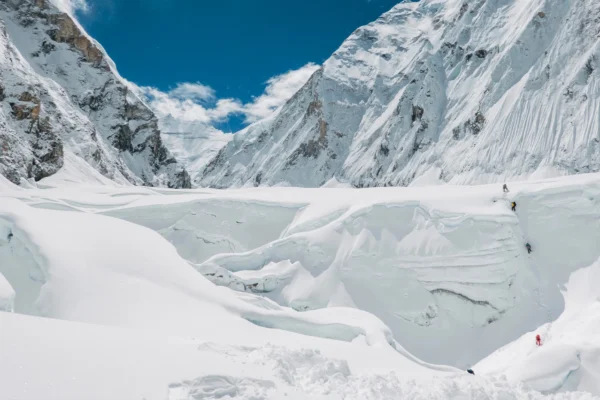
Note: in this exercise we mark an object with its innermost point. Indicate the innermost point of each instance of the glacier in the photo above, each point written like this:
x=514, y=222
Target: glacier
x=429, y=262
x=318, y=293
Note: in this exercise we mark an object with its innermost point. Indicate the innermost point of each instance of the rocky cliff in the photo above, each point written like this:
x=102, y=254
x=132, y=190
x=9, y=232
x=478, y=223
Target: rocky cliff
x=60, y=92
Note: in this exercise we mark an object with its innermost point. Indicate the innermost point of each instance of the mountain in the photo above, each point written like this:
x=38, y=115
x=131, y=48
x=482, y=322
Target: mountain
x=437, y=91
x=193, y=143
x=60, y=94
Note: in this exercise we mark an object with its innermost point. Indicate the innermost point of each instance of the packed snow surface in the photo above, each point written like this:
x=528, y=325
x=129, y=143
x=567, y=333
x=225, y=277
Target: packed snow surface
x=304, y=293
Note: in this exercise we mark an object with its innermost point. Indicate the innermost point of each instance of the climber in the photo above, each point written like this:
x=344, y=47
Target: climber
x=10, y=235
x=513, y=206
x=471, y=371
x=505, y=188
x=538, y=340
x=528, y=247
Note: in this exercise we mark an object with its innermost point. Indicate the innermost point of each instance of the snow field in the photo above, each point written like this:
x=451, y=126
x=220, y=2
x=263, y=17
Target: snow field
x=131, y=364
x=434, y=264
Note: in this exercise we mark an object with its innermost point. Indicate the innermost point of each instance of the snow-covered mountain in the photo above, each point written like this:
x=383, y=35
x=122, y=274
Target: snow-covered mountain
x=441, y=90
x=61, y=95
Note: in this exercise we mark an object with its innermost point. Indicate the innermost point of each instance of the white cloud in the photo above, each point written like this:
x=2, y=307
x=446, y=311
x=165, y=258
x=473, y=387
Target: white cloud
x=226, y=107
x=193, y=91
x=70, y=6
x=187, y=103
x=195, y=102
x=184, y=109
x=279, y=89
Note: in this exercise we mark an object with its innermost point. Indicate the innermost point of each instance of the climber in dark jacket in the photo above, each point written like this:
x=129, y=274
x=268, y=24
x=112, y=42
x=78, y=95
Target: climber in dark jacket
x=513, y=206
x=505, y=188
x=528, y=247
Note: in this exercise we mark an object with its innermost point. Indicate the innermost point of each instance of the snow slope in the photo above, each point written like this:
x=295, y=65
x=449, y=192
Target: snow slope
x=437, y=91
x=60, y=93
x=570, y=353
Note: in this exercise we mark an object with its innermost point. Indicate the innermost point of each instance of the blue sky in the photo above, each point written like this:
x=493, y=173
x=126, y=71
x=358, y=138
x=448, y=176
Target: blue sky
x=200, y=51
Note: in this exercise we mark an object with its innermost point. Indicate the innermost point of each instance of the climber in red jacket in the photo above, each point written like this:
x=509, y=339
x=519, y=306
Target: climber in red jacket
x=538, y=340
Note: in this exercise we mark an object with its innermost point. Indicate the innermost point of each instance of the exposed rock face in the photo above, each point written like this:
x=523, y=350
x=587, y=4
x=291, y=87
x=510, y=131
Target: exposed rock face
x=60, y=92
x=68, y=32
x=437, y=91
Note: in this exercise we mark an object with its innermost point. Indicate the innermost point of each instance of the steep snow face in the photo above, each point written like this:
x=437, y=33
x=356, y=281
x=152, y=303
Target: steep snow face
x=438, y=91
x=60, y=92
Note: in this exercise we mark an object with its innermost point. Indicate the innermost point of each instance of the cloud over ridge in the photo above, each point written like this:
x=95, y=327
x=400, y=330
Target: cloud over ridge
x=191, y=102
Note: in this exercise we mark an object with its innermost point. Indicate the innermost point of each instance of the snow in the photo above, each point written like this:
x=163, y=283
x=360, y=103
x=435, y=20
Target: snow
x=75, y=171
x=7, y=295
x=134, y=364
x=331, y=292
x=570, y=353
x=428, y=261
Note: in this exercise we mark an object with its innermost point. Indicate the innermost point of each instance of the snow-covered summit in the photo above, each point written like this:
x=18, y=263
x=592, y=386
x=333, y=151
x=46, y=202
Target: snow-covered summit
x=60, y=93
x=438, y=91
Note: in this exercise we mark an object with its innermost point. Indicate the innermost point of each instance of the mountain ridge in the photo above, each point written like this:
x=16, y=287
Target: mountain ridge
x=437, y=92
x=61, y=92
